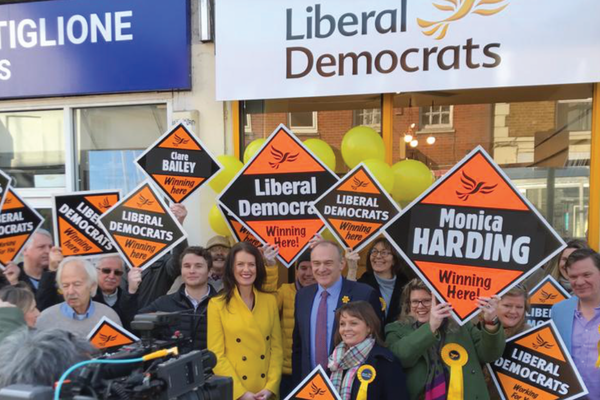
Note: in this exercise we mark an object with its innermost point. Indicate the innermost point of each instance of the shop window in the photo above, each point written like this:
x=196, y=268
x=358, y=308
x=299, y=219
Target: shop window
x=109, y=139
x=541, y=137
x=368, y=117
x=32, y=148
x=303, y=122
x=436, y=118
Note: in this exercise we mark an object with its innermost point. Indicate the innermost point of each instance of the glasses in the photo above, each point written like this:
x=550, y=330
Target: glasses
x=382, y=253
x=107, y=271
x=416, y=303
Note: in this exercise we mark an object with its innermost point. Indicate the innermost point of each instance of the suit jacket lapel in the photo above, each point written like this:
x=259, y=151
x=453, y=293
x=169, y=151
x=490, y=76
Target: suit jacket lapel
x=346, y=291
x=312, y=291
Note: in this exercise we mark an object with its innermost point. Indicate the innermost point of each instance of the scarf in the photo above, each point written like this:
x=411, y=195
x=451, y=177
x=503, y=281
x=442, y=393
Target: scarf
x=343, y=359
x=435, y=385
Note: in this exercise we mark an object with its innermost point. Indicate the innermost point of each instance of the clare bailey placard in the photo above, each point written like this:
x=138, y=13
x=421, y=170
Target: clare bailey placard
x=541, y=299
x=18, y=222
x=357, y=208
x=178, y=163
x=473, y=234
x=537, y=366
x=272, y=195
x=76, y=228
x=142, y=227
x=239, y=232
x=4, y=185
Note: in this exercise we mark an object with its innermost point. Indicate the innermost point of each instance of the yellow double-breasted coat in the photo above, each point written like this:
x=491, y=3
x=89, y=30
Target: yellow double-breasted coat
x=247, y=342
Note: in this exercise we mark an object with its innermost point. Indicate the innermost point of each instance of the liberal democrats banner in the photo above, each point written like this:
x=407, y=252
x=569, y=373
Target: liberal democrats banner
x=340, y=47
x=66, y=47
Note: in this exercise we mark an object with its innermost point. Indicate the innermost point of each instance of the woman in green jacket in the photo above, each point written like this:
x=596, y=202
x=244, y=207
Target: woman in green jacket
x=427, y=342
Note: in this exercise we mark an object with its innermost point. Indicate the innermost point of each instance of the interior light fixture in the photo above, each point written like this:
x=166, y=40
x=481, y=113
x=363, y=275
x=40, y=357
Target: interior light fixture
x=408, y=138
x=414, y=143
x=431, y=140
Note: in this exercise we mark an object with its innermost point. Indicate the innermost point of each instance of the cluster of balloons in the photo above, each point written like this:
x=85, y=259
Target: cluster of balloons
x=405, y=180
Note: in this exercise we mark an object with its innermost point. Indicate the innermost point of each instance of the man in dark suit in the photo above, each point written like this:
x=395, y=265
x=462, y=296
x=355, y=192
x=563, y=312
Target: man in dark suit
x=315, y=308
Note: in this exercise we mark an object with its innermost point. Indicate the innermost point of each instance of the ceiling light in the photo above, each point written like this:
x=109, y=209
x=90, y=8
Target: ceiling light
x=414, y=143
x=408, y=138
x=431, y=140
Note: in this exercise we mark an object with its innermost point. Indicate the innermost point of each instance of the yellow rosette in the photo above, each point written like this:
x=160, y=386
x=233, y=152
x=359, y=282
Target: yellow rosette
x=455, y=356
x=366, y=374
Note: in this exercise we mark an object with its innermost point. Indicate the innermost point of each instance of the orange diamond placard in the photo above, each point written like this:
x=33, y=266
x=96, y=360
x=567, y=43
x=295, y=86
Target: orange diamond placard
x=142, y=227
x=541, y=299
x=107, y=334
x=240, y=233
x=473, y=234
x=357, y=208
x=178, y=163
x=76, y=228
x=18, y=222
x=536, y=365
x=316, y=386
x=272, y=195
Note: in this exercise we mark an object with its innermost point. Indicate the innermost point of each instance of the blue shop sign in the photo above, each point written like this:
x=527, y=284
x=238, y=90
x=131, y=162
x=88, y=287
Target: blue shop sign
x=76, y=47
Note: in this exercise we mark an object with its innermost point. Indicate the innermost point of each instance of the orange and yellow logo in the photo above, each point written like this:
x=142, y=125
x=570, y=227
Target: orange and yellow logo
x=459, y=9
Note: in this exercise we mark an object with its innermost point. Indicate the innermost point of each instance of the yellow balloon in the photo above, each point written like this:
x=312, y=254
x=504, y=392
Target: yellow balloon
x=362, y=143
x=217, y=221
x=411, y=178
x=231, y=166
x=323, y=151
x=252, y=148
x=382, y=172
x=327, y=235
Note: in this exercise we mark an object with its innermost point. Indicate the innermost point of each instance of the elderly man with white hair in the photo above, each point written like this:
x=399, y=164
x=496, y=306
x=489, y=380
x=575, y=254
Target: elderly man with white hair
x=78, y=280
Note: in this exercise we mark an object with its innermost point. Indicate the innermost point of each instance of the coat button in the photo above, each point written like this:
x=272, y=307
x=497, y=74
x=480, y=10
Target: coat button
x=262, y=357
x=244, y=358
x=473, y=371
x=262, y=375
x=244, y=377
x=238, y=340
x=267, y=337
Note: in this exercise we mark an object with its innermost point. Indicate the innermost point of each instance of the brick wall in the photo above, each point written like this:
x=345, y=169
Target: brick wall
x=525, y=119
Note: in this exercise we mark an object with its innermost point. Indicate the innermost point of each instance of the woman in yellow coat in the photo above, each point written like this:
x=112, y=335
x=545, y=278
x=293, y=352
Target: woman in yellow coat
x=243, y=327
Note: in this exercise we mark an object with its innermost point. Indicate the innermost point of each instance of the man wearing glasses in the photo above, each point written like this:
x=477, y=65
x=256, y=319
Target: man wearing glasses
x=124, y=302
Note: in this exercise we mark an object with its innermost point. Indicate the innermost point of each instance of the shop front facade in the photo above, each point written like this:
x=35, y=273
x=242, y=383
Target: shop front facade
x=434, y=82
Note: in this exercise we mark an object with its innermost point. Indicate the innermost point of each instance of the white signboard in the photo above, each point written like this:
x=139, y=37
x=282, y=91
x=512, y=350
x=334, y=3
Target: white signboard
x=281, y=49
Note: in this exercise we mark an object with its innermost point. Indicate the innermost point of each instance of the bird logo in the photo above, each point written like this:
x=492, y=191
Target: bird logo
x=104, y=204
x=472, y=187
x=316, y=391
x=357, y=184
x=459, y=9
x=545, y=296
x=8, y=200
x=106, y=339
x=142, y=201
x=541, y=343
x=281, y=157
x=177, y=141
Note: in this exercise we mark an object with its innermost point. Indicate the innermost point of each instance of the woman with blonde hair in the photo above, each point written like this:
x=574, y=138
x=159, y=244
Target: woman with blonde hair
x=427, y=342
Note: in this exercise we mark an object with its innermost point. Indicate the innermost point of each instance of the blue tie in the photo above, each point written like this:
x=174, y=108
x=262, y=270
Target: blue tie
x=321, y=353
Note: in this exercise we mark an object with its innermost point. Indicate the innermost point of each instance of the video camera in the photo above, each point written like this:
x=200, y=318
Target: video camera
x=185, y=376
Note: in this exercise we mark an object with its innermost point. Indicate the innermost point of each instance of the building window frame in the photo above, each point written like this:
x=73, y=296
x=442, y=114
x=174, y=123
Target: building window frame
x=42, y=197
x=314, y=128
x=429, y=113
